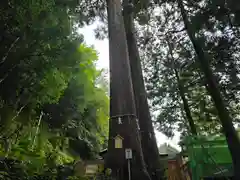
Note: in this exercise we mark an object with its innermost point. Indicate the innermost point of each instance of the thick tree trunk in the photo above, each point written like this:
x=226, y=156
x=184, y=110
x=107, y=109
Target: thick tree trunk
x=123, y=122
x=223, y=113
x=148, y=139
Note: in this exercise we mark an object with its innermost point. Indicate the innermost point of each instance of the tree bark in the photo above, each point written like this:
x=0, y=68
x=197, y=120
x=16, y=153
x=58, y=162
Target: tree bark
x=123, y=120
x=213, y=89
x=148, y=139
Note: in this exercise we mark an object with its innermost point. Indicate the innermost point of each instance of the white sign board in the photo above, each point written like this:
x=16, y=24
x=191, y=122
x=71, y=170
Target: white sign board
x=128, y=153
x=119, y=120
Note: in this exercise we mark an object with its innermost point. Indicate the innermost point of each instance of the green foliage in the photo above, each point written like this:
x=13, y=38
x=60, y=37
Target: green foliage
x=215, y=27
x=53, y=109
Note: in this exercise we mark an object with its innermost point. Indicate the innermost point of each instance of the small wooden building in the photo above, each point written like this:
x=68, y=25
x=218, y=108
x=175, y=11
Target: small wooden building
x=174, y=163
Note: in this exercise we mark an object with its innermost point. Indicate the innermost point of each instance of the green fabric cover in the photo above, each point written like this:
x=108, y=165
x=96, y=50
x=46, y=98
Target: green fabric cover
x=208, y=157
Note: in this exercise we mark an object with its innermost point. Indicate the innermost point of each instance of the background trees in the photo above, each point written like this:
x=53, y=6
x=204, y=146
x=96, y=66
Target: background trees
x=202, y=33
x=53, y=105
x=166, y=26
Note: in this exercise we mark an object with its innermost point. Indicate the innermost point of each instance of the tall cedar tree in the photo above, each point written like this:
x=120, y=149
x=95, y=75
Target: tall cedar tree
x=148, y=139
x=122, y=106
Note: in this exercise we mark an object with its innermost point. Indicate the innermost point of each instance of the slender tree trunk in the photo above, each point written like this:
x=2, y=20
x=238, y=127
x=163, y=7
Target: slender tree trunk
x=123, y=120
x=213, y=89
x=182, y=93
x=185, y=105
x=9, y=50
x=37, y=130
x=148, y=139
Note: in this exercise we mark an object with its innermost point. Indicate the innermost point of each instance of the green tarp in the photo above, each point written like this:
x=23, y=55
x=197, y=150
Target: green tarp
x=208, y=157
